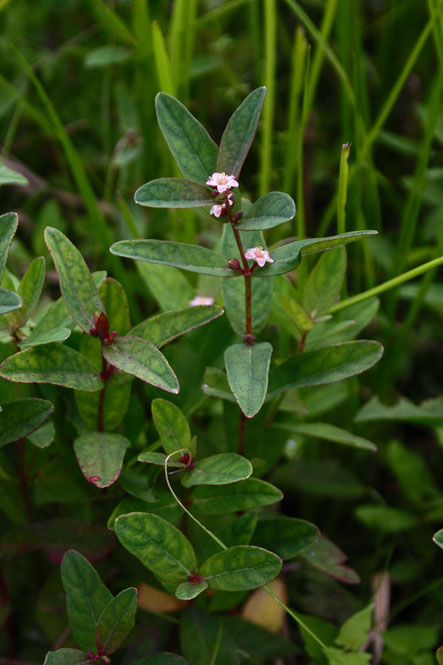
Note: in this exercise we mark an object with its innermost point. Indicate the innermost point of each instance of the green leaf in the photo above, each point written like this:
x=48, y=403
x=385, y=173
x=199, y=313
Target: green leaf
x=9, y=301
x=52, y=363
x=270, y=210
x=323, y=286
x=240, y=568
x=325, y=556
x=139, y=357
x=76, y=282
x=247, y=367
x=239, y=133
x=336, y=656
x=172, y=426
x=439, y=656
x=328, y=365
x=165, y=327
x=166, y=252
x=158, y=544
x=329, y=433
x=159, y=459
x=173, y=193
x=215, y=384
x=116, y=621
x=244, y=495
x=355, y=631
x=43, y=436
x=10, y=177
x=221, y=469
x=104, y=56
x=67, y=657
x=385, y=519
x=287, y=257
x=235, y=531
x=29, y=291
x=286, y=536
x=429, y=412
x=18, y=419
x=86, y=598
x=169, y=286
x=189, y=142
x=8, y=227
x=296, y=313
x=233, y=291
x=37, y=338
x=100, y=456
x=190, y=590
x=438, y=538
x=113, y=297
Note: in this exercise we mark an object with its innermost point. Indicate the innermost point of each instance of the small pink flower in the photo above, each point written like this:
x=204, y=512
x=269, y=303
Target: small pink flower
x=222, y=181
x=219, y=209
x=260, y=255
x=201, y=300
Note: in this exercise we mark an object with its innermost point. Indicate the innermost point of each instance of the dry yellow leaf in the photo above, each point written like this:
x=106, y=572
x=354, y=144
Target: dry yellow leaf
x=155, y=600
x=262, y=609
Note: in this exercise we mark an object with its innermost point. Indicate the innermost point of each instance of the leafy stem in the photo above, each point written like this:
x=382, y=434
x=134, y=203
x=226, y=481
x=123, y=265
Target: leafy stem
x=266, y=588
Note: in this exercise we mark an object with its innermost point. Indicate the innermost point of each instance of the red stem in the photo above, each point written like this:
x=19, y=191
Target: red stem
x=101, y=401
x=247, y=272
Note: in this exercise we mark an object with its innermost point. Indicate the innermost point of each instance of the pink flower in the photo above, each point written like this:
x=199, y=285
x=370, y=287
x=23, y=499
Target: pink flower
x=220, y=209
x=201, y=300
x=222, y=181
x=260, y=255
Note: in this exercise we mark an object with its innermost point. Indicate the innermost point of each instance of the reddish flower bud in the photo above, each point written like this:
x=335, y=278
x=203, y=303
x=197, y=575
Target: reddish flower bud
x=234, y=264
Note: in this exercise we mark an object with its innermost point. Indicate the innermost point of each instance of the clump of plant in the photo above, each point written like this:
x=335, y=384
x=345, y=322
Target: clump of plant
x=192, y=507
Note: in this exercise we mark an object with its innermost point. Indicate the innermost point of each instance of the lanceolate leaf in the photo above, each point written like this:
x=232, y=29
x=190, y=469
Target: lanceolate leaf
x=52, y=363
x=76, y=282
x=139, y=357
x=247, y=368
x=239, y=133
x=288, y=257
x=190, y=590
x=270, y=210
x=324, y=282
x=29, y=291
x=328, y=365
x=9, y=301
x=158, y=544
x=286, y=536
x=152, y=457
x=329, y=433
x=8, y=227
x=165, y=327
x=244, y=495
x=86, y=598
x=37, y=339
x=116, y=621
x=100, y=456
x=10, y=177
x=173, y=193
x=191, y=146
x=67, y=657
x=240, y=568
x=221, y=469
x=438, y=538
x=172, y=426
x=20, y=418
x=166, y=252
x=233, y=291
